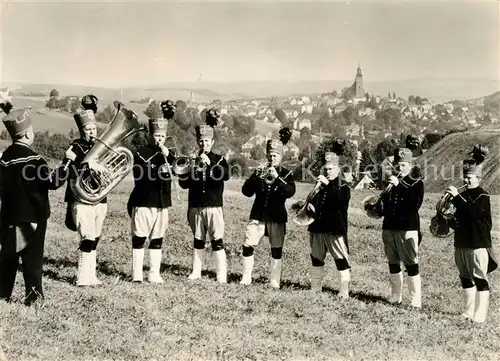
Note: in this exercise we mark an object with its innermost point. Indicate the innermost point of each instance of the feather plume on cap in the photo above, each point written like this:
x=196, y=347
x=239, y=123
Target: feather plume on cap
x=212, y=117
x=412, y=142
x=6, y=101
x=479, y=153
x=338, y=146
x=285, y=134
x=168, y=109
x=89, y=102
x=6, y=107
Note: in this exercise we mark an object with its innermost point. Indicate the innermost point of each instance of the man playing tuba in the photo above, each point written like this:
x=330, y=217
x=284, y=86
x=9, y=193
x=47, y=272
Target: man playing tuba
x=401, y=225
x=151, y=197
x=86, y=219
x=328, y=232
x=268, y=216
x=205, y=199
x=473, y=256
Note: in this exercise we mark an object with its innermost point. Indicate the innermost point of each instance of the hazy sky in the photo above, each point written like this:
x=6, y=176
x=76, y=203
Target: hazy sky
x=131, y=43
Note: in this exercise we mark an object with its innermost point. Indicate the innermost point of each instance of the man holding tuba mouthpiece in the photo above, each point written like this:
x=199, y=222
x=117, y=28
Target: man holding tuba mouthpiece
x=268, y=216
x=151, y=197
x=86, y=219
x=25, y=180
x=328, y=232
x=401, y=225
x=205, y=199
x=473, y=256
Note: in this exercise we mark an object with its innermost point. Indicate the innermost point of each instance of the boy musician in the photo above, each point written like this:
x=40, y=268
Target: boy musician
x=25, y=181
x=86, y=219
x=268, y=216
x=473, y=256
x=151, y=197
x=401, y=225
x=328, y=232
x=205, y=200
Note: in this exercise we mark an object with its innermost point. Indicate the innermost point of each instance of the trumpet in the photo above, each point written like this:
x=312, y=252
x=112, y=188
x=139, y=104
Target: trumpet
x=371, y=204
x=265, y=173
x=183, y=165
x=442, y=223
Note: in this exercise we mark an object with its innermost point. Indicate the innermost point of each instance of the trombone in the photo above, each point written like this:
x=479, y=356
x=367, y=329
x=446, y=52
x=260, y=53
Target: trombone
x=167, y=166
x=264, y=171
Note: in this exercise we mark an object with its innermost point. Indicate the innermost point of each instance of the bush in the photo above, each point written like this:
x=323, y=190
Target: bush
x=51, y=145
x=238, y=166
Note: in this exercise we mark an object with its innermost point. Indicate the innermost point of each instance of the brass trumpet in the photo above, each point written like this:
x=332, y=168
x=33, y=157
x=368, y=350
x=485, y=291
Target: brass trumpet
x=183, y=165
x=265, y=173
x=441, y=225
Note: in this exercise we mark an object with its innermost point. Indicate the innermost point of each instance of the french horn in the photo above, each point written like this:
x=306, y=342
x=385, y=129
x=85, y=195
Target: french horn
x=301, y=214
x=442, y=223
x=107, y=162
x=371, y=204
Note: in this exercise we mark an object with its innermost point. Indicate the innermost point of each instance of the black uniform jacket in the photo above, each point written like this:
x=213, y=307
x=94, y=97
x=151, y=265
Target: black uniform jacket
x=153, y=183
x=206, y=188
x=331, y=204
x=80, y=147
x=25, y=179
x=473, y=219
x=269, y=203
x=400, y=206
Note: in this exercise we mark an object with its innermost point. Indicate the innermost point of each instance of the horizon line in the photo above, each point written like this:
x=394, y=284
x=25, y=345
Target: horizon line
x=118, y=87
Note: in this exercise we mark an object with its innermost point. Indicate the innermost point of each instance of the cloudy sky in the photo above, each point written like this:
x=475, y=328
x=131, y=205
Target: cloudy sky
x=130, y=43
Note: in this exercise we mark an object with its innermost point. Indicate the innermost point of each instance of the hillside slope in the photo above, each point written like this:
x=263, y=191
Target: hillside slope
x=442, y=163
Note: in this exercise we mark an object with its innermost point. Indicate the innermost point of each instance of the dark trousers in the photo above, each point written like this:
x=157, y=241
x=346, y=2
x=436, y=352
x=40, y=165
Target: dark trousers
x=28, y=245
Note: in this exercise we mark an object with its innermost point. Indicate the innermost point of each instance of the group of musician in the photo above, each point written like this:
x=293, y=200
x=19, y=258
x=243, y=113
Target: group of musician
x=25, y=210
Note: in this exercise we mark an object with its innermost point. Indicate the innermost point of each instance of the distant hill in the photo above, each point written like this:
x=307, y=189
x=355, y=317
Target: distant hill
x=107, y=95
x=436, y=89
x=441, y=163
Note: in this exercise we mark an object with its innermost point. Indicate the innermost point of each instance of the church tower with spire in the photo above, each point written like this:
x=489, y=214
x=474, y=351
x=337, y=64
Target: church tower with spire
x=358, y=84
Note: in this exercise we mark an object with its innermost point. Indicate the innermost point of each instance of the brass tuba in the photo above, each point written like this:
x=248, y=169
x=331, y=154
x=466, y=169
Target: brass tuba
x=442, y=223
x=107, y=162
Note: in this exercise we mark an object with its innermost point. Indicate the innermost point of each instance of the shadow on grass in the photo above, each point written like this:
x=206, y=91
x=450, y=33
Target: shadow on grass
x=103, y=267
x=182, y=271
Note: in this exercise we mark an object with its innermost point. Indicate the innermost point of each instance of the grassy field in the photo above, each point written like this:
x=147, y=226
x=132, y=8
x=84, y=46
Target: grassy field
x=202, y=320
